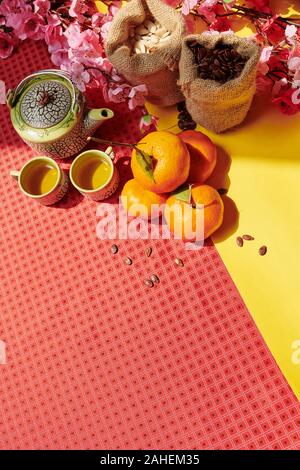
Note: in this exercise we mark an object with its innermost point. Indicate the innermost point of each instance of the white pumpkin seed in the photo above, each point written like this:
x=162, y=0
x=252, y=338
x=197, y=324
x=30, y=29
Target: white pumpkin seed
x=141, y=30
x=149, y=24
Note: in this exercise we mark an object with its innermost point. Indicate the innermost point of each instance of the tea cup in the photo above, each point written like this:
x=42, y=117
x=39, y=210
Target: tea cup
x=42, y=179
x=94, y=174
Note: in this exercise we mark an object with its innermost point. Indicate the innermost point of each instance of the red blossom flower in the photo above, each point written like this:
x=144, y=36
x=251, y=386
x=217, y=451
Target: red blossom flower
x=220, y=24
x=7, y=43
x=284, y=101
x=273, y=30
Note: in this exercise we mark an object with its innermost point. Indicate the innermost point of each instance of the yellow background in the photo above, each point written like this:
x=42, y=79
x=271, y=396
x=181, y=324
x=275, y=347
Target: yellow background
x=260, y=164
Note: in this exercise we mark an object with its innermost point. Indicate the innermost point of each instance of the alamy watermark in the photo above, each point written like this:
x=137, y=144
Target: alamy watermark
x=186, y=220
x=296, y=94
x=2, y=352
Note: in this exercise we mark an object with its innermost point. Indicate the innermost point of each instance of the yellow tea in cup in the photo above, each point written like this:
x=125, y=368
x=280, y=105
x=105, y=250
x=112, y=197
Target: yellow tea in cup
x=39, y=178
x=93, y=173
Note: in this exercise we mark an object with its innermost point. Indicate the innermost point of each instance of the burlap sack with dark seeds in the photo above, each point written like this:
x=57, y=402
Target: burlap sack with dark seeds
x=214, y=105
x=158, y=70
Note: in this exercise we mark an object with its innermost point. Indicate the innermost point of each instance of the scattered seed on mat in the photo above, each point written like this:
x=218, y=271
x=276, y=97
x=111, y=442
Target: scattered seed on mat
x=149, y=283
x=239, y=241
x=263, y=250
x=179, y=262
x=148, y=251
x=114, y=249
x=154, y=278
x=128, y=261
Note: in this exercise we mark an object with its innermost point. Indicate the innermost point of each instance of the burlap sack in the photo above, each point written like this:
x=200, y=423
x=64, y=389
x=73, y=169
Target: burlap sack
x=158, y=70
x=211, y=104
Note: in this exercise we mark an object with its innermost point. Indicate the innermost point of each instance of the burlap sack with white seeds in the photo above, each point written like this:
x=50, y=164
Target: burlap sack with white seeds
x=211, y=104
x=157, y=70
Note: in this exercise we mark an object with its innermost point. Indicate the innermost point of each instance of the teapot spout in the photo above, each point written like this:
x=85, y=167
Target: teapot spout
x=94, y=118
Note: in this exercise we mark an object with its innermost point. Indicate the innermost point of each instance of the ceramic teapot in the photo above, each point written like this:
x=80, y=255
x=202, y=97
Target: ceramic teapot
x=49, y=113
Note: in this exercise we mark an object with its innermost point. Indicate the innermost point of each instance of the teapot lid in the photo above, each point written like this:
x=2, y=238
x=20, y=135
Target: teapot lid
x=44, y=99
x=45, y=103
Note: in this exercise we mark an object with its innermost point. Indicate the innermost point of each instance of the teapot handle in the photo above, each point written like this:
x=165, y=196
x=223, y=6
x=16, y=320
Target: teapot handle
x=12, y=94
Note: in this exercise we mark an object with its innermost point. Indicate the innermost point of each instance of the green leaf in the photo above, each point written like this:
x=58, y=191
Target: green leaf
x=227, y=1
x=147, y=118
x=184, y=193
x=146, y=162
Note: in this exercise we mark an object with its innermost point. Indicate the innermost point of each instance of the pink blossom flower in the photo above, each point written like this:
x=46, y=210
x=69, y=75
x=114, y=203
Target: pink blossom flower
x=12, y=12
x=105, y=29
x=207, y=9
x=77, y=10
x=2, y=92
x=7, y=43
x=58, y=49
x=89, y=50
x=137, y=96
x=188, y=5
x=266, y=54
x=148, y=122
x=107, y=19
x=79, y=75
x=53, y=30
x=13, y=7
x=28, y=26
x=291, y=33
x=117, y=93
x=97, y=19
x=42, y=7
x=294, y=67
x=73, y=35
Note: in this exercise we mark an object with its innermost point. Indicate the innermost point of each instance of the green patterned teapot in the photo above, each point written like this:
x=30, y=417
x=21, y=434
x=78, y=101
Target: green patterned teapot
x=49, y=113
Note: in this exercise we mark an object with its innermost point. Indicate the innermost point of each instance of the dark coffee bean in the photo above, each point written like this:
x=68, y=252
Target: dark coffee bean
x=239, y=241
x=187, y=125
x=248, y=237
x=114, y=249
x=263, y=250
x=222, y=191
x=181, y=106
x=191, y=125
x=183, y=115
x=222, y=64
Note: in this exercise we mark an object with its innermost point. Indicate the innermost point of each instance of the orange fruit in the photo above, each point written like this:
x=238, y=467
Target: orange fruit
x=203, y=153
x=183, y=223
x=138, y=201
x=169, y=162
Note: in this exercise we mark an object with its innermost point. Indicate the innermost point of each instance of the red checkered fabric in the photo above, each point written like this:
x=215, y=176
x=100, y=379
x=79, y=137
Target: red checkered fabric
x=95, y=359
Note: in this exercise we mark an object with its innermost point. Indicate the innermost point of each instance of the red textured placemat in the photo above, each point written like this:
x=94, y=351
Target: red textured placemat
x=94, y=358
